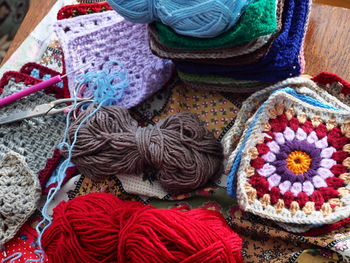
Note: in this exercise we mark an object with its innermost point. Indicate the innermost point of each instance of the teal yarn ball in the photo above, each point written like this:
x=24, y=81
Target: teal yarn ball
x=196, y=18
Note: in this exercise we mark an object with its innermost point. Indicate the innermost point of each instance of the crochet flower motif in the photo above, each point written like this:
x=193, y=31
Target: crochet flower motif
x=301, y=163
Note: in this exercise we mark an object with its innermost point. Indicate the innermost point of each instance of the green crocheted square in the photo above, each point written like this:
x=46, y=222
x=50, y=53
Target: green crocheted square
x=212, y=79
x=259, y=19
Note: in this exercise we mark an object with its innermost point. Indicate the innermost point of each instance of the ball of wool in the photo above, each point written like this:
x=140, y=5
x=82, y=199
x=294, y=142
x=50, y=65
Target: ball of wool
x=178, y=151
x=86, y=229
x=99, y=227
x=169, y=235
x=196, y=18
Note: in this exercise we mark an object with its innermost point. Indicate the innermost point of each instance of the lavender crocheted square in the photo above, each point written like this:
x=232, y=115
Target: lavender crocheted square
x=103, y=37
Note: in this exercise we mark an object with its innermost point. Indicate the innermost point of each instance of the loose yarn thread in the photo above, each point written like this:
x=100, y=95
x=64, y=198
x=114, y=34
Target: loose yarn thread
x=99, y=227
x=105, y=92
x=178, y=151
x=196, y=18
x=13, y=257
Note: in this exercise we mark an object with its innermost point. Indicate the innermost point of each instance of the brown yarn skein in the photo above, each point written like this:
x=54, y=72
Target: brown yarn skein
x=182, y=152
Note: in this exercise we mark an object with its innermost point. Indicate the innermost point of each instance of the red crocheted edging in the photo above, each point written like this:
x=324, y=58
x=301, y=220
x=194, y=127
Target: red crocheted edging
x=18, y=77
x=326, y=228
x=28, y=68
x=51, y=165
x=28, y=80
x=82, y=9
x=325, y=78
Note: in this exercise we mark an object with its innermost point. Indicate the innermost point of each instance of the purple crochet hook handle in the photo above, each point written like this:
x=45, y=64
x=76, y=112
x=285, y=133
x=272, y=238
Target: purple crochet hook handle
x=40, y=86
x=30, y=90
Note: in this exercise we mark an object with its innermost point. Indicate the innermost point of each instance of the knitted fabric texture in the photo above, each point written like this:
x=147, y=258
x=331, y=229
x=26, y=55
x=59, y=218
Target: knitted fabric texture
x=19, y=193
x=293, y=159
x=258, y=20
x=113, y=38
x=282, y=60
x=35, y=138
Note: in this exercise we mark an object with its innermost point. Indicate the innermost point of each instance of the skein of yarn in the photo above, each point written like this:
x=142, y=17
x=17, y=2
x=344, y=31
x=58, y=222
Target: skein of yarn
x=196, y=18
x=99, y=227
x=178, y=151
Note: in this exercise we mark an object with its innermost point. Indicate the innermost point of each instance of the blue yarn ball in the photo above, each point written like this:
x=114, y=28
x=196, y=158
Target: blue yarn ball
x=196, y=18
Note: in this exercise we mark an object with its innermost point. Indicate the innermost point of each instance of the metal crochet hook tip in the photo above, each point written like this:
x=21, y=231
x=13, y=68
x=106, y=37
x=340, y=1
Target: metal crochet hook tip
x=35, y=88
x=84, y=66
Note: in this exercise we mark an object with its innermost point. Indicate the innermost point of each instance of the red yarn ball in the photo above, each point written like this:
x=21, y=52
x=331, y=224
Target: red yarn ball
x=169, y=235
x=86, y=230
x=101, y=228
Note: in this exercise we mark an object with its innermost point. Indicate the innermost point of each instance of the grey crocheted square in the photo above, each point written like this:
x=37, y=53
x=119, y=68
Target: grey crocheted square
x=19, y=194
x=35, y=138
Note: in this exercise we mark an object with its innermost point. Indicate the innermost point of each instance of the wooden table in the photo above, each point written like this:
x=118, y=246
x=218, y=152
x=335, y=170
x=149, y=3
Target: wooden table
x=327, y=44
x=37, y=11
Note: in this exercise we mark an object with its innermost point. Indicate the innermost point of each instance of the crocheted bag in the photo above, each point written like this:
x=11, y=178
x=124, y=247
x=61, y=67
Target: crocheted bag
x=19, y=193
x=293, y=159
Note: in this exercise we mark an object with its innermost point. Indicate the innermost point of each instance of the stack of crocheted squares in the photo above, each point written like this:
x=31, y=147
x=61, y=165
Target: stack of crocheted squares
x=264, y=46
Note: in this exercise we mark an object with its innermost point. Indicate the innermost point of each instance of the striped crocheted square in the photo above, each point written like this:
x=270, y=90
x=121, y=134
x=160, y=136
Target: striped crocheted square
x=293, y=160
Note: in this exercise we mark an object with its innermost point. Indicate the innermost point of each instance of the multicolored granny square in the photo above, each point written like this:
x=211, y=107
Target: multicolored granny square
x=293, y=160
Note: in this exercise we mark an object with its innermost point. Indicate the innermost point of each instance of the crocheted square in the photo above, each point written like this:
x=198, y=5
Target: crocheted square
x=234, y=88
x=48, y=175
x=34, y=138
x=293, y=160
x=210, y=82
x=70, y=11
x=180, y=54
x=68, y=29
x=334, y=85
x=19, y=193
x=28, y=80
x=41, y=72
x=113, y=38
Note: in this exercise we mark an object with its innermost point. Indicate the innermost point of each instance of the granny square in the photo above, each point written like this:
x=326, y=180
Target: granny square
x=293, y=160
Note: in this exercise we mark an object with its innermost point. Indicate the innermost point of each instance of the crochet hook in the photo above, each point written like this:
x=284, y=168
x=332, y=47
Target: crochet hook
x=40, y=86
